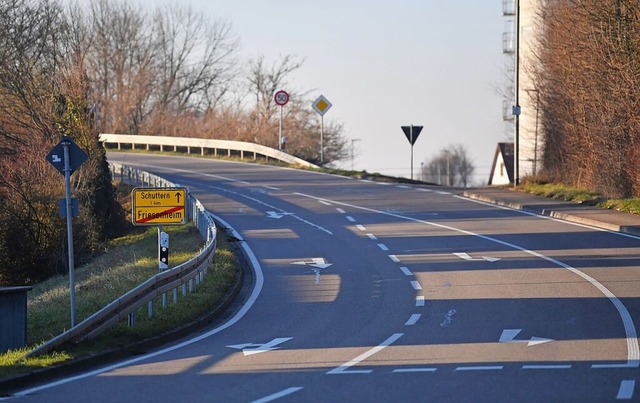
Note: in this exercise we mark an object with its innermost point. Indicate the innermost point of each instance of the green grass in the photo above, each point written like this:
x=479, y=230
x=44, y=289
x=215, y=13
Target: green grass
x=558, y=191
x=129, y=261
x=584, y=196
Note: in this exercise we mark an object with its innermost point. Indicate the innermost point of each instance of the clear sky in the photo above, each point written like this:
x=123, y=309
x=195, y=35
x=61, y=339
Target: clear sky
x=384, y=64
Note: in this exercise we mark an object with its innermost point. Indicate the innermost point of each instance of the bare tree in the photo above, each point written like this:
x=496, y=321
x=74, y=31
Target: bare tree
x=451, y=167
x=194, y=60
x=586, y=75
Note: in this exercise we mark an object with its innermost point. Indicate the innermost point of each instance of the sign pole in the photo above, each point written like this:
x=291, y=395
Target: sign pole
x=411, y=132
x=281, y=98
x=321, y=139
x=321, y=105
x=280, y=132
x=411, y=141
x=72, y=280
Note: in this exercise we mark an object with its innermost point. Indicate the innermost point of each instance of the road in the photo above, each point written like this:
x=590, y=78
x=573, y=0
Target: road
x=367, y=291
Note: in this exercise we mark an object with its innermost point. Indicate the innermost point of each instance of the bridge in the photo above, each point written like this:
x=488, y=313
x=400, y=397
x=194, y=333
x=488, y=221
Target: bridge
x=226, y=148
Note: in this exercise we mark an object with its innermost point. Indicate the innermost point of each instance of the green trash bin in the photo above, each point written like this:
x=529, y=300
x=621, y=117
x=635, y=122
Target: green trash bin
x=13, y=317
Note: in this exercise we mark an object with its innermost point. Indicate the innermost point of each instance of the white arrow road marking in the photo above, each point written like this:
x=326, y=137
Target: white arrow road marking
x=317, y=262
x=260, y=348
x=276, y=215
x=509, y=335
x=465, y=256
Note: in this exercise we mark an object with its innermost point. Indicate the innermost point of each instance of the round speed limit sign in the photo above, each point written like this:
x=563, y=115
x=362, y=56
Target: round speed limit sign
x=281, y=97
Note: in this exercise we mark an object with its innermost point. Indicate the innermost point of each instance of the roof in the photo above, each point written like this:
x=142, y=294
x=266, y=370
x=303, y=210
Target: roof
x=506, y=151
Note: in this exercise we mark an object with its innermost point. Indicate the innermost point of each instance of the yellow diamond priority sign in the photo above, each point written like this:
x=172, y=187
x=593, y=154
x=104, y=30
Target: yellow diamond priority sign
x=159, y=206
x=321, y=105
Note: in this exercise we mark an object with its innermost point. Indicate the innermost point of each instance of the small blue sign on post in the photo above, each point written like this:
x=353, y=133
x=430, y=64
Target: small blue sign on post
x=66, y=157
x=76, y=155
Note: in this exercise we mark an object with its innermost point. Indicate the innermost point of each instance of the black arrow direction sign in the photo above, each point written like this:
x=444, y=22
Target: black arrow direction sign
x=178, y=195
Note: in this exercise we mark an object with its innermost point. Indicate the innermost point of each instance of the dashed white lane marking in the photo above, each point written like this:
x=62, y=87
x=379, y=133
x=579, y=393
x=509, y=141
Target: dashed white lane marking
x=416, y=286
x=626, y=390
x=372, y=237
x=343, y=369
x=631, y=335
x=420, y=300
x=413, y=319
x=409, y=370
x=403, y=187
x=383, y=246
x=406, y=271
x=442, y=192
x=481, y=368
x=425, y=190
x=552, y=366
x=278, y=395
x=361, y=227
x=341, y=211
x=351, y=218
x=394, y=258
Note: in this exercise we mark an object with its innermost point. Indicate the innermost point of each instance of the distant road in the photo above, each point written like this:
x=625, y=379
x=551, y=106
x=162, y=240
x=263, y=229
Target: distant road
x=383, y=292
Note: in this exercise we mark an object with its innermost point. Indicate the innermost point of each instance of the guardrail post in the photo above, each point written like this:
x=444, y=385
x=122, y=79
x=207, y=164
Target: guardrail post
x=150, y=309
x=175, y=296
x=184, y=289
x=131, y=319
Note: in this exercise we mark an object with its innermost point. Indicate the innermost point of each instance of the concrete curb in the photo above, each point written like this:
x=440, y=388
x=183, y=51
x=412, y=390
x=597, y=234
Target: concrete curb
x=575, y=213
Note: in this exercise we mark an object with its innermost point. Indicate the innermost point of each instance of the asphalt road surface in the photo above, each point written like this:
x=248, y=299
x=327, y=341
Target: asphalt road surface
x=367, y=291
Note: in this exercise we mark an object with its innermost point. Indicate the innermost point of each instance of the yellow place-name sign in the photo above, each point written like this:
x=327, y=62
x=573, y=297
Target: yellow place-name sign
x=159, y=206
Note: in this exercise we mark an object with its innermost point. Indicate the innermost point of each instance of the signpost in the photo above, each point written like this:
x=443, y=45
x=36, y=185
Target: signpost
x=412, y=132
x=66, y=157
x=281, y=98
x=321, y=105
x=159, y=206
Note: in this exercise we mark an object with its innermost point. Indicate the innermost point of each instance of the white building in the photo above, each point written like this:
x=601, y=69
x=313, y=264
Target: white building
x=521, y=46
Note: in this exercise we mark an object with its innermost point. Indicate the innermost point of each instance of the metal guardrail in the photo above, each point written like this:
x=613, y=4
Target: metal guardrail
x=186, y=276
x=230, y=147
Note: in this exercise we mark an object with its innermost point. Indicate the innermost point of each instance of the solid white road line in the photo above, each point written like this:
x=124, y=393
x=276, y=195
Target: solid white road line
x=631, y=335
x=481, y=368
x=413, y=319
x=278, y=395
x=551, y=366
x=626, y=390
x=343, y=369
x=259, y=281
x=409, y=370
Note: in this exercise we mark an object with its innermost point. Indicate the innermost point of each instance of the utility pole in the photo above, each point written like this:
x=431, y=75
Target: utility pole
x=516, y=108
